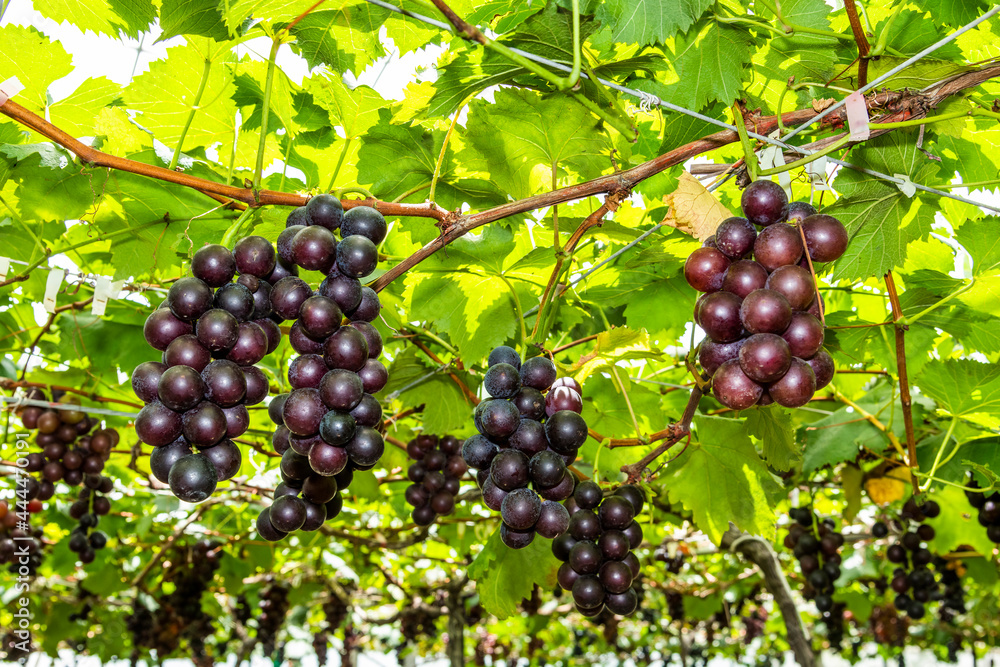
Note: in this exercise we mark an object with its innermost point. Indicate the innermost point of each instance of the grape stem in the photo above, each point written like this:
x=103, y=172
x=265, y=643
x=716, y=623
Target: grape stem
x=674, y=433
x=904, y=381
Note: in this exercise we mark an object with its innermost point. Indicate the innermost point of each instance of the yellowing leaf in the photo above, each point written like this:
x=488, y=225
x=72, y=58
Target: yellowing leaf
x=693, y=209
x=884, y=490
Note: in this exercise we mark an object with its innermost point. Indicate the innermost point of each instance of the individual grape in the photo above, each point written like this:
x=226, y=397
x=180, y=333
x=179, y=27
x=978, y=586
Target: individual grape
x=566, y=431
x=765, y=311
x=614, y=545
x=356, y=256
x=538, y=373
x=374, y=376
x=503, y=354
x=214, y=265
x=743, y=277
x=520, y=509
x=563, y=545
x=254, y=255
x=327, y=460
x=765, y=357
x=236, y=300
x=733, y=388
x=266, y=529
x=796, y=387
x=585, y=557
x=493, y=495
x=157, y=424
x=368, y=412
x=346, y=291
x=341, y=389
x=301, y=342
x=778, y=245
x=553, y=519
x=307, y=370
x=719, y=316
x=734, y=237
x=237, y=420
x=529, y=438
x=271, y=330
x=288, y=295
x=497, y=418
x=346, y=348
x=616, y=577
x=319, y=315
x=189, y=298
x=226, y=458
x=257, y=385
x=315, y=517
x=284, y=244
x=282, y=269
x=509, y=469
x=145, y=382
x=366, y=447
x=826, y=237
x=764, y=203
x=369, y=308
x=710, y=242
x=711, y=355
x=193, y=478
x=705, y=269
x=314, y=249
x=502, y=381
x=588, y=495
x=364, y=221
x=516, y=539
x=318, y=489
x=303, y=411
x=795, y=284
x=162, y=327
x=372, y=336
x=325, y=210
x=584, y=525
x=204, y=425
x=799, y=211
x=530, y=403
x=804, y=336
x=588, y=592
x=337, y=428
x=180, y=388
x=250, y=347
x=615, y=513
x=563, y=398
x=303, y=444
x=823, y=368
x=622, y=604
x=217, y=330
x=186, y=350
x=287, y=513
x=479, y=452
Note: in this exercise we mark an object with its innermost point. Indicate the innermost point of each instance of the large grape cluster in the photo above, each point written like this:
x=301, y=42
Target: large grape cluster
x=816, y=545
x=527, y=439
x=436, y=474
x=211, y=329
x=598, y=564
x=759, y=309
x=90, y=506
x=329, y=425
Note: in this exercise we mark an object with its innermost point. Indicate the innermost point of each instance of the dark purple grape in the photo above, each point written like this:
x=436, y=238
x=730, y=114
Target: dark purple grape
x=357, y=257
x=588, y=495
x=497, y=418
x=217, y=330
x=337, y=428
x=563, y=545
x=516, y=539
x=530, y=403
x=538, y=373
x=455, y=467
x=315, y=516
x=346, y=291
x=478, y=452
x=709, y=242
x=529, y=438
x=795, y=284
x=443, y=503
x=282, y=269
x=765, y=311
x=214, y=265
x=364, y=221
x=369, y=308
x=303, y=411
x=509, y=469
x=633, y=564
x=314, y=248
x=295, y=468
x=734, y=237
x=368, y=412
x=287, y=296
x=796, y=387
x=189, y=298
x=711, y=355
x=341, y=389
x=193, y=478
x=799, y=211
x=616, y=577
x=346, y=348
x=254, y=255
x=826, y=237
x=584, y=525
x=743, y=277
x=161, y=328
x=236, y=300
x=614, y=545
x=307, y=371
x=157, y=424
x=366, y=447
x=822, y=365
x=371, y=335
x=719, y=316
x=226, y=458
x=325, y=210
x=319, y=489
x=493, y=495
x=615, y=513
x=374, y=376
x=553, y=519
x=267, y=531
x=503, y=354
x=502, y=381
x=327, y=460
x=275, y=408
x=303, y=445
x=162, y=459
x=320, y=316
x=301, y=342
x=622, y=604
x=764, y=203
x=424, y=516
x=237, y=420
x=546, y=469
x=284, y=244
x=520, y=509
x=588, y=592
x=204, y=425
x=298, y=216
x=585, y=557
x=765, y=357
x=180, y=388
x=145, y=382
x=804, y=336
x=271, y=330
x=287, y=513
x=186, y=350
x=250, y=347
x=566, y=431
x=778, y=245
x=705, y=269
x=257, y=385
x=733, y=388
x=563, y=398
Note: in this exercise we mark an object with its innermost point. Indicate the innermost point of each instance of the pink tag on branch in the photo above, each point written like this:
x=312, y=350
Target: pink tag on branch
x=857, y=116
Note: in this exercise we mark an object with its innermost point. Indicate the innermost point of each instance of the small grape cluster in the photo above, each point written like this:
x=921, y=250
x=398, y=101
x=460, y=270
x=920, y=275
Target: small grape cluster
x=526, y=437
x=816, y=545
x=90, y=506
x=69, y=450
x=436, y=475
x=211, y=330
x=759, y=309
x=330, y=421
x=988, y=512
x=598, y=564
x=273, y=609
x=335, y=611
x=15, y=536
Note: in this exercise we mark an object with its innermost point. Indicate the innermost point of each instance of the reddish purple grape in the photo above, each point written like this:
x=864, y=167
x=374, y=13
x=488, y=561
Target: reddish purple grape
x=826, y=237
x=301, y=342
x=341, y=389
x=288, y=295
x=734, y=237
x=622, y=604
x=778, y=245
x=188, y=298
x=817, y=308
x=320, y=316
x=237, y=420
x=254, y=255
x=369, y=307
x=217, y=330
x=560, y=491
x=371, y=335
x=271, y=330
x=257, y=385
x=282, y=269
x=705, y=269
x=346, y=348
x=795, y=284
x=765, y=311
x=530, y=403
x=546, y=469
x=145, y=381
x=567, y=381
x=307, y=371
x=364, y=221
x=275, y=408
x=799, y=211
x=796, y=387
x=250, y=347
x=281, y=440
x=204, y=425
x=368, y=412
x=709, y=242
x=226, y=458
x=162, y=459
x=764, y=203
x=765, y=357
x=538, y=373
x=266, y=530
x=719, y=315
x=303, y=411
x=804, y=336
x=515, y=539
x=287, y=513
x=325, y=210
x=743, y=277
x=509, y=469
x=181, y=388
x=161, y=328
x=374, y=376
x=711, y=355
x=193, y=478
x=346, y=291
x=314, y=248
x=187, y=351
x=563, y=398
x=303, y=444
x=520, y=509
x=822, y=365
x=157, y=425
x=214, y=265
x=733, y=388
x=284, y=244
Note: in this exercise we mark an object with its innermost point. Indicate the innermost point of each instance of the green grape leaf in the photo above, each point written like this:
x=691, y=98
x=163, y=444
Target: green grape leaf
x=355, y=110
x=710, y=60
x=343, y=39
x=962, y=386
x=980, y=239
x=647, y=21
x=76, y=113
x=506, y=576
x=911, y=33
x=35, y=61
x=236, y=12
x=104, y=17
x=192, y=17
x=507, y=17
x=953, y=12
x=772, y=426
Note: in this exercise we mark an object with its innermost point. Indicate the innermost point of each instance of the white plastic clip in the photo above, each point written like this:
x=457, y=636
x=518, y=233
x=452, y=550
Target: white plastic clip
x=4, y=267
x=52, y=284
x=906, y=187
x=771, y=157
x=104, y=289
x=817, y=173
x=857, y=116
x=9, y=89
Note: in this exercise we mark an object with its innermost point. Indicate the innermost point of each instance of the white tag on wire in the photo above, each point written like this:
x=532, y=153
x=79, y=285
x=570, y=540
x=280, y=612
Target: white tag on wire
x=52, y=284
x=9, y=89
x=4, y=267
x=906, y=187
x=103, y=290
x=817, y=173
x=772, y=157
x=857, y=116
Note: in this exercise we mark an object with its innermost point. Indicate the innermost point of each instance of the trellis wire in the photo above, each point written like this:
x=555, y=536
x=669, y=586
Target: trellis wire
x=648, y=98
x=17, y=400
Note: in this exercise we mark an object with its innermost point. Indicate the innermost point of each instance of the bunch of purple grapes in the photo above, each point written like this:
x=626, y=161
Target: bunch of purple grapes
x=328, y=426
x=599, y=567
x=89, y=507
x=816, y=545
x=759, y=309
x=526, y=438
x=212, y=330
x=436, y=475
x=988, y=514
